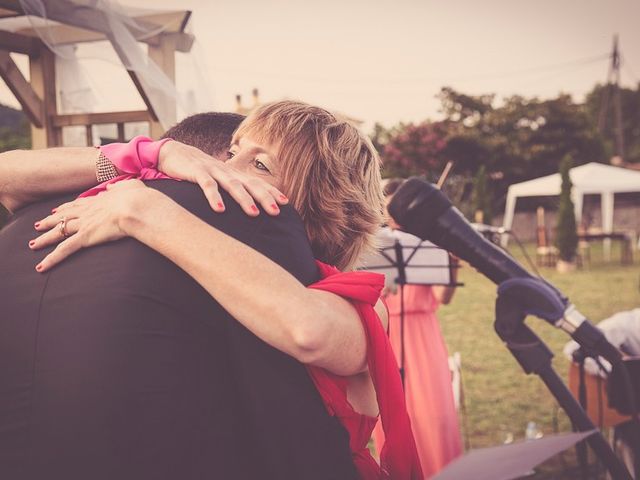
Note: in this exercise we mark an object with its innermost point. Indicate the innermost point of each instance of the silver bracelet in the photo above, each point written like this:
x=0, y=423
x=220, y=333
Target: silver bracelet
x=105, y=170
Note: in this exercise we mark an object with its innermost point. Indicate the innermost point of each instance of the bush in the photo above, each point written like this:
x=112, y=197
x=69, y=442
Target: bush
x=566, y=232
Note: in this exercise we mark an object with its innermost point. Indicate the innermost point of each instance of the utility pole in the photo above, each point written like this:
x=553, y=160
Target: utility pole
x=612, y=89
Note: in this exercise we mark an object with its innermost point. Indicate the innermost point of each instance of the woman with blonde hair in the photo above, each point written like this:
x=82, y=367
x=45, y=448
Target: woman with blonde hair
x=330, y=173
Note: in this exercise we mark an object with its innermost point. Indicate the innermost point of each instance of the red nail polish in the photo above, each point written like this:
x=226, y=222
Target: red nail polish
x=283, y=198
x=37, y=224
x=32, y=243
x=54, y=210
x=275, y=207
x=39, y=267
x=254, y=209
x=221, y=205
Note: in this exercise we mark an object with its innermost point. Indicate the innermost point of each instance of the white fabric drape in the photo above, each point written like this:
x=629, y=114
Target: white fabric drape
x=124, y=31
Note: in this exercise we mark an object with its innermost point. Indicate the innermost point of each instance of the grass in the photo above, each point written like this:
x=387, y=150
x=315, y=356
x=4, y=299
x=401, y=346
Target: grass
x=500, y=399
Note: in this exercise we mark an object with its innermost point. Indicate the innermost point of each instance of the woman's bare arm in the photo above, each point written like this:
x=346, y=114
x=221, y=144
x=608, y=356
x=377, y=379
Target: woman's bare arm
x=314, y=326
x=29, y=175
x=444, y=294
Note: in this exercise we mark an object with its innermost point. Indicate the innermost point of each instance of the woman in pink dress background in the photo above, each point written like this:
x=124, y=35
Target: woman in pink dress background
x=427, y=381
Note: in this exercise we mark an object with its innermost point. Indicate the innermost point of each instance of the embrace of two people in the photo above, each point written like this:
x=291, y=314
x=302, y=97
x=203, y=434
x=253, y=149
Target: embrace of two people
x=149, y=331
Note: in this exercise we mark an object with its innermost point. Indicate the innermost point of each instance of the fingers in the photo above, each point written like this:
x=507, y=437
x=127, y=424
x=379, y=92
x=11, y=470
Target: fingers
x=210, y=189
x=239, y=193
x=62, y=251
x=65, y=210
x=280, y=197
x=55, y=235
x=248, y=190
x=266, y=197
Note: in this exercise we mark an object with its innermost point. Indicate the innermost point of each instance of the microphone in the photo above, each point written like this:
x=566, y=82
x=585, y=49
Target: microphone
x=484, y=229
x=423, y=210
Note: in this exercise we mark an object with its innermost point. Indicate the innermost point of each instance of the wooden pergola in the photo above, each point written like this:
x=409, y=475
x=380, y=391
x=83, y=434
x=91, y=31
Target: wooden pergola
x=37, y=96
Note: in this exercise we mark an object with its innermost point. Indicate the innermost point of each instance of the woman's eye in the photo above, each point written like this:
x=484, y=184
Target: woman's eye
x=230, y=155
x=260, y=166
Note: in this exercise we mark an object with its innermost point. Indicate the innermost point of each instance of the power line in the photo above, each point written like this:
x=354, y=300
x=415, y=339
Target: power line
x=546, y=68
x=563, y=73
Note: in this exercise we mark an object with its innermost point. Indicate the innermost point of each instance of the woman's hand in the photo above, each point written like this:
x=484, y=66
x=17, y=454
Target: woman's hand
x=88, y=221
x=188, y=163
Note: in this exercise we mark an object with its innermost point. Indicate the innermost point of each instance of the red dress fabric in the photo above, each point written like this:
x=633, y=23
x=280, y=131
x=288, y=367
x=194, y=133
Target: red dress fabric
x=399, y=458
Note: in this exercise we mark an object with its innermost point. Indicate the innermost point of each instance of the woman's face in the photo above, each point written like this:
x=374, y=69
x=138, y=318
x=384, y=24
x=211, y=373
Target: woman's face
x=256, y=159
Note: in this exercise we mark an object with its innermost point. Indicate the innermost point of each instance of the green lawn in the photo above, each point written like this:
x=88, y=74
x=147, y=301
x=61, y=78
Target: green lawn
x=500, y=399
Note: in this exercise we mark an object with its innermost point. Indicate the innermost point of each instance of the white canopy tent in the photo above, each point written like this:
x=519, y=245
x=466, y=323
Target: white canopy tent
x=591, y=178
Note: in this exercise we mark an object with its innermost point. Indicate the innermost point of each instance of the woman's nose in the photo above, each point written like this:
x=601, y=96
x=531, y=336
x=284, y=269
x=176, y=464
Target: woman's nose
x=233, y=161
x=239, y=162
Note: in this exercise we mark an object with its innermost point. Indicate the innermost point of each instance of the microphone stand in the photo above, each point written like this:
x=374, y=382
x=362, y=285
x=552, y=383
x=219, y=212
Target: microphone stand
x=401, y=280
x=535, y=357
x=401, y=264
x=581, y=447
x=404, y=261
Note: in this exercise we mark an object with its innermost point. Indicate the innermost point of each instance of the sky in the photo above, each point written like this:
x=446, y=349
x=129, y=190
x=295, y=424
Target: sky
x=385, y=61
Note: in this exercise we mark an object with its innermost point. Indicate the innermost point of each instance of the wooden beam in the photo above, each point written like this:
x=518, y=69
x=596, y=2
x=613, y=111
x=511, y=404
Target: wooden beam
x=183, y=42
x=13, y=5
x=164, y=55
x=14, y=42
x=121, y=132
x=143, y=94
x=4, y=13
x=85, y=23
x=90, y=25
x=88, y=131
x=75, y=119
x=69, y=35
x=43, y=81
x=65, y=34
x=29, y=101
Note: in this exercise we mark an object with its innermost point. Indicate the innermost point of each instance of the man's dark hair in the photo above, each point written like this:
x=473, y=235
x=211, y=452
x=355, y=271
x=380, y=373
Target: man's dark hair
x=392, y=185
x=210, y=132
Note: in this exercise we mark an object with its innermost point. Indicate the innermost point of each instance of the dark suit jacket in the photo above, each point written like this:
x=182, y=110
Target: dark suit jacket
x=117, y=365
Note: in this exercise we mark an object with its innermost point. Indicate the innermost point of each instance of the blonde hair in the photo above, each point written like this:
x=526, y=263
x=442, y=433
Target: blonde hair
x=331, y=173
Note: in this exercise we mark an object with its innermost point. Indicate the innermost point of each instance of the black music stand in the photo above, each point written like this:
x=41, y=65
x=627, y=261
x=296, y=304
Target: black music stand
x=405, y=259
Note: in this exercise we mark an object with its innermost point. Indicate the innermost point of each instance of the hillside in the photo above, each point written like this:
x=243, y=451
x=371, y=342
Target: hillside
x=14, y=129
x=14, y=133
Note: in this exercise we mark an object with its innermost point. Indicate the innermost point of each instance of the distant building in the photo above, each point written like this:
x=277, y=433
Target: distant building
x=245, y=110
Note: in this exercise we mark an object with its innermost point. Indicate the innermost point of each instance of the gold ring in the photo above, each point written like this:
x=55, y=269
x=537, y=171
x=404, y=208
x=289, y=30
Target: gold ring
x=62, y=228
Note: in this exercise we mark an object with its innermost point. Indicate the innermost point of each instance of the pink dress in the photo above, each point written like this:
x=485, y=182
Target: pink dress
x=428, y=392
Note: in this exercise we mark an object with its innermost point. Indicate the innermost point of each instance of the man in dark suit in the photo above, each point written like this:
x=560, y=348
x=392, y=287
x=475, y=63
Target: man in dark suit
x=116, y=364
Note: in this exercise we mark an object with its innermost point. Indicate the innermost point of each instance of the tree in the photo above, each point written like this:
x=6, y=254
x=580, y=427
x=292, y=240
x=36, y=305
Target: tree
x=14, y=134
x=416, y=150
x=380, y=137
x=566, y=232
x=630, y=106
x=481, y=198
x=466, y=109
x=520, y=139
